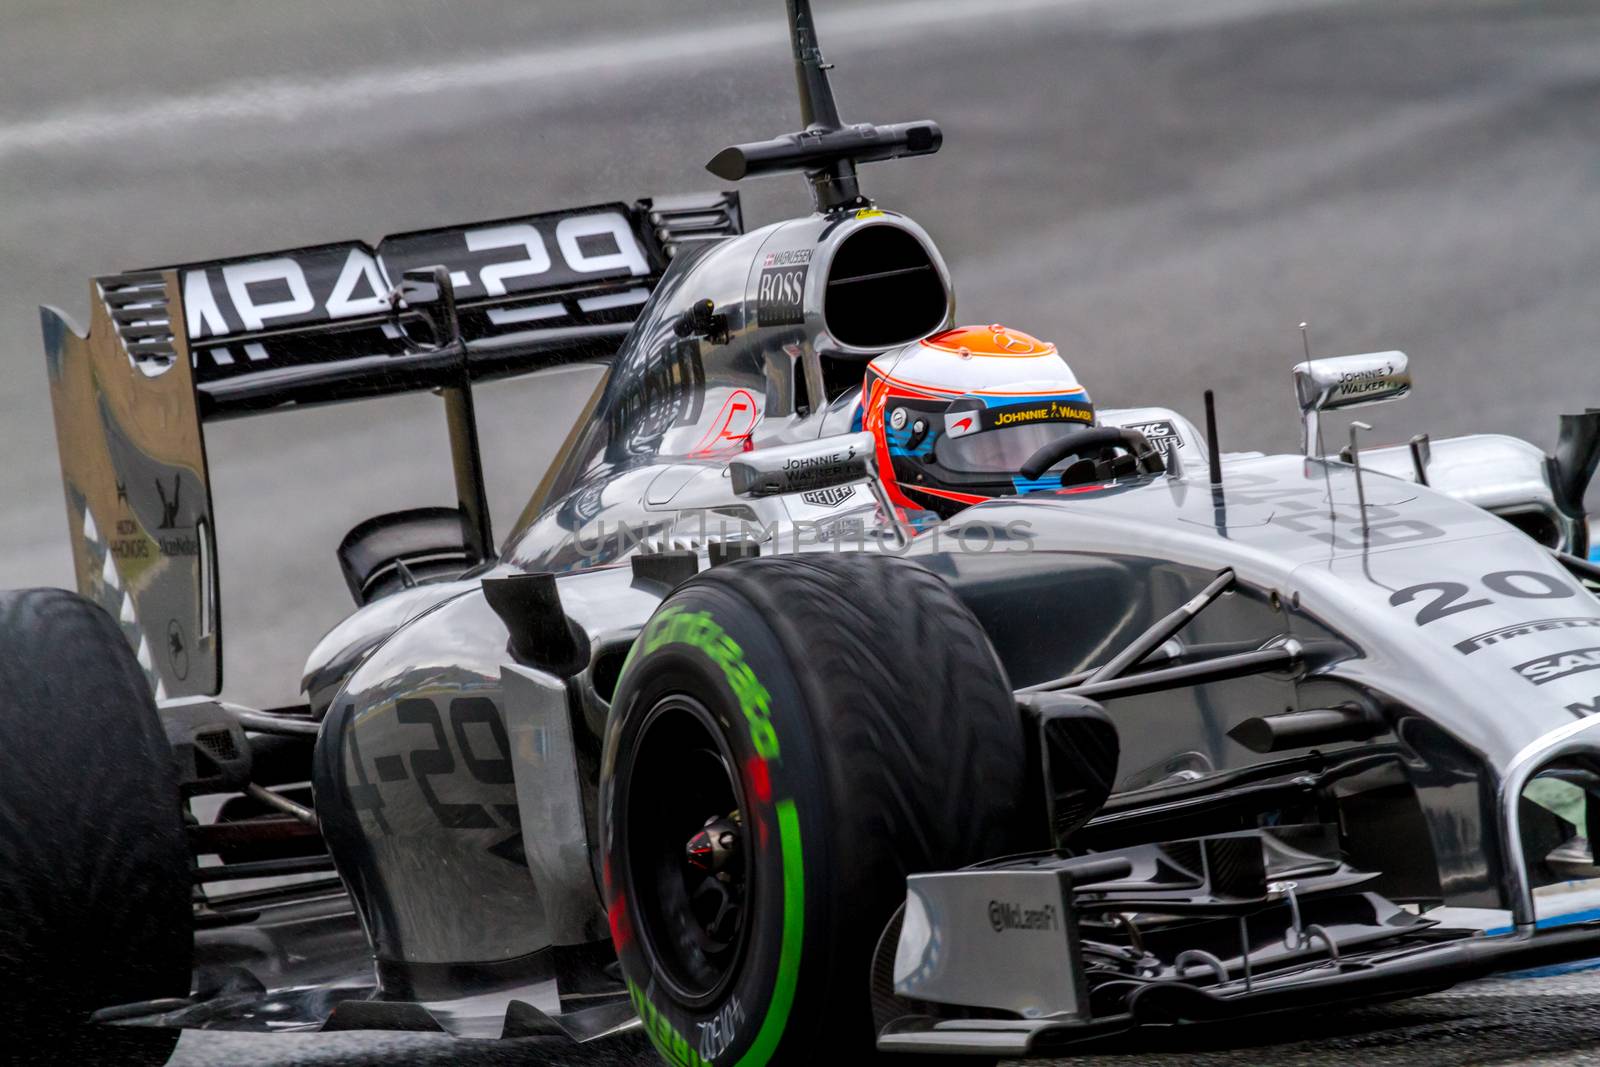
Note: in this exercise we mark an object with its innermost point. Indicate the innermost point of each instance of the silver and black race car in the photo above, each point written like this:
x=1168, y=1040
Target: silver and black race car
x=714, y=743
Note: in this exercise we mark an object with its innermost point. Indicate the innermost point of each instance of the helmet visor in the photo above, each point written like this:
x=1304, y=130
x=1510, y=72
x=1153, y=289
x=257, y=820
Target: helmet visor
x=999, y=451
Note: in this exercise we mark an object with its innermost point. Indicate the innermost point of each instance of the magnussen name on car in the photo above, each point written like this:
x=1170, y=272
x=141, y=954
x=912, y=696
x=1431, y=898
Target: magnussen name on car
x=1553, y=668
x=789, y=257
x=1523, y=629
x=1008, y=915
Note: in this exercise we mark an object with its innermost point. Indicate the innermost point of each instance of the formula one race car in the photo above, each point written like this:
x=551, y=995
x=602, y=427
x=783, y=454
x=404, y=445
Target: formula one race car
x=722, y=741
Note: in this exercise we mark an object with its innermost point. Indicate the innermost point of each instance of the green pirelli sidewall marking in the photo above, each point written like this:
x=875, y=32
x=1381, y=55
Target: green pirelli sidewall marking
x=672, y=1046
x=675, y=625
x=794, y=923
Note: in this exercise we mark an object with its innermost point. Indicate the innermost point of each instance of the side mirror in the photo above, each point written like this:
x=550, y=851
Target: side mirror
x=800, y=468
x=1347, y=382
x=1572, y=468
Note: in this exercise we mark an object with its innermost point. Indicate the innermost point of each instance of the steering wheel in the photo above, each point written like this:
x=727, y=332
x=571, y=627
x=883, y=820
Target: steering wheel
x=1089, y=439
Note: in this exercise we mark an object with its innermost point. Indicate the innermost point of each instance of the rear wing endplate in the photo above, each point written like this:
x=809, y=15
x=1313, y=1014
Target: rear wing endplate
x=169, y=350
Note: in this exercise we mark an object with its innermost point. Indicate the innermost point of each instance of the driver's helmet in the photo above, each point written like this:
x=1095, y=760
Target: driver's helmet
x=957, y=414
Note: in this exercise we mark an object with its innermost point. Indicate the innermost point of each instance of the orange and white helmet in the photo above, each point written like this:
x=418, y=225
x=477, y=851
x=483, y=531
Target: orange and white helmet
x=957, y=414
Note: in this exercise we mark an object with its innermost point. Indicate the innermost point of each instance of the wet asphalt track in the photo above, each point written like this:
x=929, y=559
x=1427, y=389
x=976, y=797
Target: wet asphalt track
x=1164, y=187
x=1544, y=1021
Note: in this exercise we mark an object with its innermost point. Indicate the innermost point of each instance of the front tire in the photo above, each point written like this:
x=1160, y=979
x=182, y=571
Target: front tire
x=791, y=737
x=94, y=869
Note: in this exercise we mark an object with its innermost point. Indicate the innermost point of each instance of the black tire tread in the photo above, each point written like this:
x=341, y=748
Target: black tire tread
x=924, y=751
x=94, y=869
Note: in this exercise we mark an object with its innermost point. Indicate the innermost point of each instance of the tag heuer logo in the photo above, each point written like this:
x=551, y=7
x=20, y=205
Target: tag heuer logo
x=831, y=497
x=1163, y=435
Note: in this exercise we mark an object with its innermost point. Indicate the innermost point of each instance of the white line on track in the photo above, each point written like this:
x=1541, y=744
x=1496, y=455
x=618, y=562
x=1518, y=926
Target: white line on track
x=573, y=64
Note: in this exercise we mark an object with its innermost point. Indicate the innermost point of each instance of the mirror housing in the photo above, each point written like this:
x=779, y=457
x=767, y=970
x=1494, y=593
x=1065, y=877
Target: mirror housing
x=803, y=467
x=1572, y=468
x=1347, y=382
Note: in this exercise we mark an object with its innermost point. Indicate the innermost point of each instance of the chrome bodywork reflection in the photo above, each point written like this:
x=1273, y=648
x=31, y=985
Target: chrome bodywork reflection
x=993, y=939
x=1505, y=475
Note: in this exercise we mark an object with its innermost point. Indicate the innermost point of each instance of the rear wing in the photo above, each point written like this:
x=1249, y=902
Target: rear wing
x=171, y=349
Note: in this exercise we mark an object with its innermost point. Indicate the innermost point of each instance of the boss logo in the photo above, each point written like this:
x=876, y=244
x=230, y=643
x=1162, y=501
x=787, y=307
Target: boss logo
x=1547, y=669
x=780, y=296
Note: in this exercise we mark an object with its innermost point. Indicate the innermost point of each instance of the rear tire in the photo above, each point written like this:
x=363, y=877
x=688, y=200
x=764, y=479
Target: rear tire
x=852, y=710
x=94, y=868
